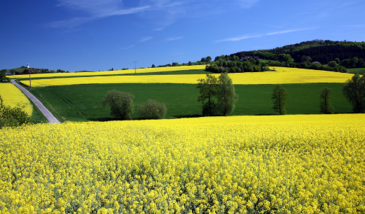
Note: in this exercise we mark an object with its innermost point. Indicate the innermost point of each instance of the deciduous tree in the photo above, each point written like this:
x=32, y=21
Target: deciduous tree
x=208, y=89
x=326, y=106
x=279, y=97
x=227, y=97
x=354, y=91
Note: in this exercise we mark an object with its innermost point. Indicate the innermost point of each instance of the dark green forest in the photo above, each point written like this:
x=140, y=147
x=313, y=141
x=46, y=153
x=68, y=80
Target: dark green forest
x=317, y=54
x=322, y=51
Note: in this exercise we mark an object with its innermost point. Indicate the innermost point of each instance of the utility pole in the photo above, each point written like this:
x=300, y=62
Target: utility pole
x=172, y=62
x=135, y=67
x=30, y=80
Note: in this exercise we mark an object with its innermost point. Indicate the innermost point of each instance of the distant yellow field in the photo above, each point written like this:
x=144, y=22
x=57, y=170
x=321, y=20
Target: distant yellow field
x=241, y=164
x=13, y=97
x=280, y=76
x=116, y=72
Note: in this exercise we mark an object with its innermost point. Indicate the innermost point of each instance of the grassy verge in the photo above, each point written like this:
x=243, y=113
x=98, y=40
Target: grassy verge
x=37, y=116
x=83, y=102
x=356, y=70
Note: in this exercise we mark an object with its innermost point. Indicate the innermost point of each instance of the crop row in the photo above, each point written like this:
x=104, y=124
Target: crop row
x=13, y=97
x=280, y=76
x=115, y=72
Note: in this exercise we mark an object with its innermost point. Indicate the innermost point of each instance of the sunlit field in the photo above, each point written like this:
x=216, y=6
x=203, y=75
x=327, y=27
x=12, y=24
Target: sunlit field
x=278, y=164
x=282, y=75
x=115, y=72
x=13, y=97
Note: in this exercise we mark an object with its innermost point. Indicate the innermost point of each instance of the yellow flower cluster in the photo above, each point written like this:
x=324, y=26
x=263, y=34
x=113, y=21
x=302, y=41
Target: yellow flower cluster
x=241, y=164
x=115, y=72
x=13, y=97
x=280, y=76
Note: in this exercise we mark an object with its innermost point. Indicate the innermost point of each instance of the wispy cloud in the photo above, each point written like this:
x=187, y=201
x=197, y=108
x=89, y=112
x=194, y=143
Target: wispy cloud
x=94, y=9
x=144, y=39
x=170, y=11
x=235, y=39
x=173, y=39
x=162, y=12
x=247, y=3
x=354, y=26
x=131, y=46
x=287, y=31
x=70, y=23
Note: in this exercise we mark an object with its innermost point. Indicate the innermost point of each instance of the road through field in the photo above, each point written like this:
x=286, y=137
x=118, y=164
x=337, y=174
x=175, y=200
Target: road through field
x=40, y=106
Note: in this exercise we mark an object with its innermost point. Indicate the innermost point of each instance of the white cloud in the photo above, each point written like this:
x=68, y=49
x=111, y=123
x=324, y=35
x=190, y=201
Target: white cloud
x=173, y=38
x=235, y=39
x=131, y=46
x=247, y=3
x=70, y=23
x=94, y=9
x=162, y=13
x=144, y=39
x=354, y=26
x=287, y=31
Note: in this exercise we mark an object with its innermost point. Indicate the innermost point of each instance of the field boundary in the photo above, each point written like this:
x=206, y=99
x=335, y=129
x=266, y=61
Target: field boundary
x=40, y=106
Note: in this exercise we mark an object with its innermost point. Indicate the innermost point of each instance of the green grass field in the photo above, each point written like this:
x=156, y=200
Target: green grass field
x=356, y=70
x=83, y=102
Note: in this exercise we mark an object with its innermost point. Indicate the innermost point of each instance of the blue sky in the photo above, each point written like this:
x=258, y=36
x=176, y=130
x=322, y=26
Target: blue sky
x=102, y=34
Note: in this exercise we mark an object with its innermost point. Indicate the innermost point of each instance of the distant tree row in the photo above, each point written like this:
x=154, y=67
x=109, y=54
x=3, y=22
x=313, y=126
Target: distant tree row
x=26, y=70
x=309, y=65
x=238, y=66
x=182, y=64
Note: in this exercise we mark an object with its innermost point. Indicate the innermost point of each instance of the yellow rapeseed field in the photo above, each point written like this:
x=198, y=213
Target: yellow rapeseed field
x=280, y=76
x=241, y=164
x=13, y=97
x=115, y=72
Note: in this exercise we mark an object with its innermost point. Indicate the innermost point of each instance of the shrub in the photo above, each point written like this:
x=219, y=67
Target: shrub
x=152, y=110
x=12, y=117
x=121, y=104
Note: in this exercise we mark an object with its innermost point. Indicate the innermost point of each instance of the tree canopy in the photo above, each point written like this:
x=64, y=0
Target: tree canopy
x=279, y=97
x=121, y=104
x=326, y=106
x=208, y=89
x=227, y=97
x=354, y=91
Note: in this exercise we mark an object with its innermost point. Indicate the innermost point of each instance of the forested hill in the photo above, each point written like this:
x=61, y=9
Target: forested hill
x=322, y=51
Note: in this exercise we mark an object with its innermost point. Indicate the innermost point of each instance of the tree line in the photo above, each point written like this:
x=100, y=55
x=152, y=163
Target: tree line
x=25, y=70
x=322, y=51
x=219, y=98
x=237, y=66
x=354, y=91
